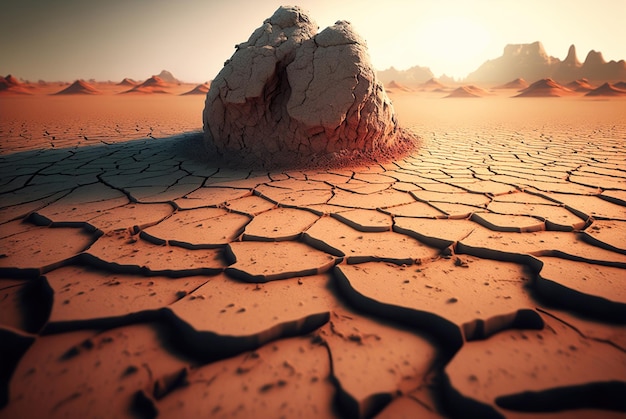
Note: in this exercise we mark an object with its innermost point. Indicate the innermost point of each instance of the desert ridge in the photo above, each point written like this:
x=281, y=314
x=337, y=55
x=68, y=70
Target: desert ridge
x=433, y=87
x=163, y=83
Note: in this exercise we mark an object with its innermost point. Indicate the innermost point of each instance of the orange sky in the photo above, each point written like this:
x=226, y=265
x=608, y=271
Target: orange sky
x=113, y=39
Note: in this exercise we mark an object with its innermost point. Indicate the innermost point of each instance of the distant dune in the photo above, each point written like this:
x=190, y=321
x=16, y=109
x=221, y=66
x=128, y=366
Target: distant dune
x=518, y=83
x=545, y=88
x=395, y=86
x=79, y=87
x=432, y=85
x=620, y=85
x=469, y=91
x=11, y=85
x=580, y=85
x=154, y=84
x=128, y=82
x=607, y=89
x=201, y=89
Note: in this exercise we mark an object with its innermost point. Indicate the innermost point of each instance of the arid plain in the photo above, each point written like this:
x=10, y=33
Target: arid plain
x=482, y=275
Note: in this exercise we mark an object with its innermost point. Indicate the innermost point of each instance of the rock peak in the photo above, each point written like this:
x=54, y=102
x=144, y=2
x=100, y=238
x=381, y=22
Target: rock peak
x=571, y=58
x=536, y=48
x=594, y=58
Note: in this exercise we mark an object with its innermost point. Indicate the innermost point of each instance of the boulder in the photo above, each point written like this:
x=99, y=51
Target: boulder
x=290, y=95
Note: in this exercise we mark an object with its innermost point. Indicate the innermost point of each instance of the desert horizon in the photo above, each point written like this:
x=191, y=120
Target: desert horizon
x=300, y=234
x=594, y=67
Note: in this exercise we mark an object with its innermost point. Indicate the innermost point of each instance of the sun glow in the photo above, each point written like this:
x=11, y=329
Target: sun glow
x=455, y=44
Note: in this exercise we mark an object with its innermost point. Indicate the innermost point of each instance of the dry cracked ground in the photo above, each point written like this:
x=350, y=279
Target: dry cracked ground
x=470, y=279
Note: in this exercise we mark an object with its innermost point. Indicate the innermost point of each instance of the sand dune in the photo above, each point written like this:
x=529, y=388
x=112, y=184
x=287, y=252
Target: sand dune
x=545, y=88
x=79, y=87
x=580, y=85
x=518, y=83
x=469, y=91
x=154, y=84
x=395, y=86
x=620, y=85
x=433, y=85
x=11, y=85
x=607, y=89
x=201, y=89
x=128, y=82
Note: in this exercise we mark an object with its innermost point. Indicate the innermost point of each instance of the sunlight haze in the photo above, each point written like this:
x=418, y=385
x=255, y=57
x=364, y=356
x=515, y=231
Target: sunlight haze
x=71, y=39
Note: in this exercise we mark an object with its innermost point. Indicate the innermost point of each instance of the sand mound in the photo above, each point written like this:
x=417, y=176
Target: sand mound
x=201, y=89
x=545, y=88
x=154, y=84
x=432, y=85
x=79, y=87
x=580, y=85
x=128, y=82
x=518, y=83
x=394, y=85
x=620, y=85
x=11, y=85
x=607, y=89
x=468, y=91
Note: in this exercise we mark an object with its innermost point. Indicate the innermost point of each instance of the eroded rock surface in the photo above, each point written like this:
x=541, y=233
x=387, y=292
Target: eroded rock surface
x=290, y=95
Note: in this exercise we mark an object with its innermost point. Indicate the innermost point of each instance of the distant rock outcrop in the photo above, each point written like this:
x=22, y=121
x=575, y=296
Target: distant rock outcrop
x=291, y=96
x=596, y=68
x=167, y=77
x=531, y=62
x=545, y=88
x=154, y=84
x=607, y=89
x=528, y=61
x=79, y=87
x=568, y=69
x=410, y=77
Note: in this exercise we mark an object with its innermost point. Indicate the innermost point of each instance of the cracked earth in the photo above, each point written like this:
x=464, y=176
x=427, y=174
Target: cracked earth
x=481, y=276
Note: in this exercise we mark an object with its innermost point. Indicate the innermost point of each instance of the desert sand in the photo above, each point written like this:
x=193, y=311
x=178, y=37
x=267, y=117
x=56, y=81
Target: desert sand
x=482, y=275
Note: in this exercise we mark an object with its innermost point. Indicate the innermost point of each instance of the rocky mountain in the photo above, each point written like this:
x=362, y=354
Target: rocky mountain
x=168, y=77
x=531, y=62
x=410, y=77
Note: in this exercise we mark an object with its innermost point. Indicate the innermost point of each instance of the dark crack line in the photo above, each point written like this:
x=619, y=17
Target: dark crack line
x=574, y=328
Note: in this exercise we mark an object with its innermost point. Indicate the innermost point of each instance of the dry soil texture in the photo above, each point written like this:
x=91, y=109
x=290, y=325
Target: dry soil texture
x=481, y=276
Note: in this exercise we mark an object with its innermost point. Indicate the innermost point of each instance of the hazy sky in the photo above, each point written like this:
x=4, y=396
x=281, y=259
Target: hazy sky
x=113, y=39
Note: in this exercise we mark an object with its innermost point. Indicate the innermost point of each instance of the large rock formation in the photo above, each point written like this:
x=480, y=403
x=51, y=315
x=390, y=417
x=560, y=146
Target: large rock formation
x=528, y=61
x=289, y=95
x=531, y=62
x=412, y=77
